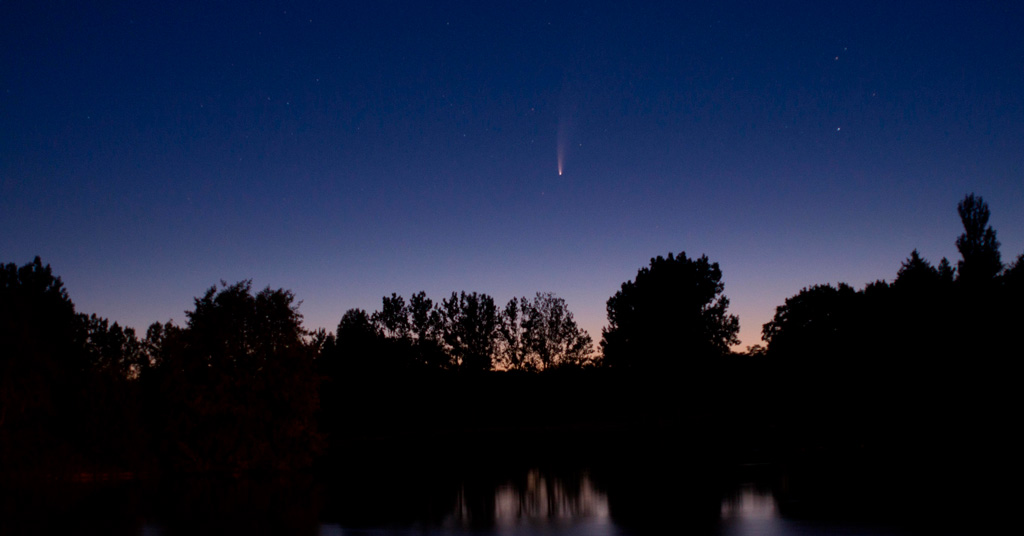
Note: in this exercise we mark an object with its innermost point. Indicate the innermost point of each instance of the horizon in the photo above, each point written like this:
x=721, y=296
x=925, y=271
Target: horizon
x=345, y=153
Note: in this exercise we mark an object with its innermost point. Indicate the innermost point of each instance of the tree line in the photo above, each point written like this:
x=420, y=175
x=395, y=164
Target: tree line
x=237, y=387
x=465, y=332
x=927, y=312
x=243, y=386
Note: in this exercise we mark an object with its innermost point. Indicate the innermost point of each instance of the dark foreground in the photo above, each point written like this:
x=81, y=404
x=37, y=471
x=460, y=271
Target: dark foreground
x=555, y=488
x=590, y=454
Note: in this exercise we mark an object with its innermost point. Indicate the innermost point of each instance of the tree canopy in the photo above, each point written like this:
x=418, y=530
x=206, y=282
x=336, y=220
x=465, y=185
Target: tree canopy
x=929, y=313
x=238, y=387
x=978, y=246
x=541, y=334
x=41, y=358
x=674, y=310
x=239, y=378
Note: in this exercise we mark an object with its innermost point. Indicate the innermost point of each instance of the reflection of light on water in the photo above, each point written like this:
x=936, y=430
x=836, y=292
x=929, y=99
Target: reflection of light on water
x=530, y=503
x=750, y=503
x=548, y=499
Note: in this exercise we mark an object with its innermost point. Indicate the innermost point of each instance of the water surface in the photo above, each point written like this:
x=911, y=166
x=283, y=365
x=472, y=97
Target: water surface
x=482, y=501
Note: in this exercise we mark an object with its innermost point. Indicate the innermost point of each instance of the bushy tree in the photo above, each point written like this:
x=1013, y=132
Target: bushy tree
x=112, y=349
x=42, y=362
x=239, y=381
x=814, y=323
x=672, y=313
x=66, y=399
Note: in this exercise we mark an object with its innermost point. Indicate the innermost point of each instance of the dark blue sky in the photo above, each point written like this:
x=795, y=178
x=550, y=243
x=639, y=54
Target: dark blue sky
x=349, y=151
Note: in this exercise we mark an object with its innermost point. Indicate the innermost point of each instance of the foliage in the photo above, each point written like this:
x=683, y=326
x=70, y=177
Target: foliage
x=541, y=334
x=393, y=318
x=239, y=381
x=512, y=333
x=354, y=345
x=112, y=349
x=817, y=318
x=978, y=246
x=65, y=391
x=238, y=387
x=41, y=360
x=920, y=325
x=470, y=323
x=673, y=311
x=425, y=319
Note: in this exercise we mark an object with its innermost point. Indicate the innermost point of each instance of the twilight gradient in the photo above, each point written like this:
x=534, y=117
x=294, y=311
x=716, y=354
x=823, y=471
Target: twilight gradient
x=347, y=152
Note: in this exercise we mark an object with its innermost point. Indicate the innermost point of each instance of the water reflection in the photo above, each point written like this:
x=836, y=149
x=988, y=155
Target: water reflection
x=751, y=508
x=442, y=500
x=750, y=502
x=533, y=501
x=541, y=498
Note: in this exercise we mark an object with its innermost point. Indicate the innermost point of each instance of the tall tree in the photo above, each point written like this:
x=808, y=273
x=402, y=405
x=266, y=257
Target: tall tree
x=551, y=336
x=393, y=318
x=979, y=249
x=513, y=334
x=66, y=399
x=426, y=324
x=471, y=330
x=424, y=317
x=674, y=310
x=42, y=362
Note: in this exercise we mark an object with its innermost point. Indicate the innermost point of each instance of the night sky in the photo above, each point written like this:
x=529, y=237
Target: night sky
x=348, y=150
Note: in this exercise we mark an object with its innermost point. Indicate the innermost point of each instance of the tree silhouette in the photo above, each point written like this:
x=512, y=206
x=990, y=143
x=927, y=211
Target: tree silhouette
x=1012, y=294
x=470, y=330
x=814, y=323
x=426, y=324
x=239, y=381
x=356, y=325
x=917, y=273
x=354, y=348
x=112, y=349
x=541, y=334
x=513, y=334
x=393, y=318
x=977, y=245
x=673, y=311
x=551, y=336
x=425, y=319
x=42, y=361
x=1014, y=275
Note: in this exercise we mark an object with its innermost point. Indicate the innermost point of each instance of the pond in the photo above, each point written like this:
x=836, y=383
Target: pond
x=371, y=500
